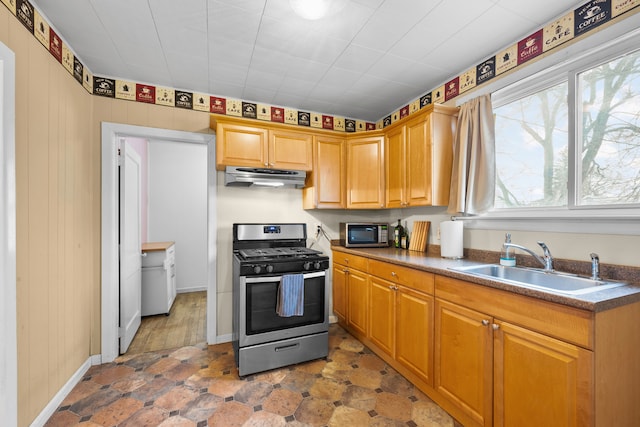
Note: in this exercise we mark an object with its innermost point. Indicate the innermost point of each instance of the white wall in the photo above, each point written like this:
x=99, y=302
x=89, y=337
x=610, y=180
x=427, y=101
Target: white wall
x=177, y=208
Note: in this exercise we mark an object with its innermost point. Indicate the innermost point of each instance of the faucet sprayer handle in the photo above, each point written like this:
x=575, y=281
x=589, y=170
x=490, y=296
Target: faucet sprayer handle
x=595, y=266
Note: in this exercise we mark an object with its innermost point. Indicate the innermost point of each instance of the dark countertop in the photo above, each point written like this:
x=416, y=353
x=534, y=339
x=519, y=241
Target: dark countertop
x=594, y=301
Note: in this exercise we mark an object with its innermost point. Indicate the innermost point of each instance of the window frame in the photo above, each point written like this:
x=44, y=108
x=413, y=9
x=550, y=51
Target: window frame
x=566, y=66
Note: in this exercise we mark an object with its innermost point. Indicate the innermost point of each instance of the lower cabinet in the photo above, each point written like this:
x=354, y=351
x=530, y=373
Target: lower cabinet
x=357, y=291
x=350, y=291
x=491, y=357
x=538, y=380
x=464, y=360
x=501, y=374
x=401, y=317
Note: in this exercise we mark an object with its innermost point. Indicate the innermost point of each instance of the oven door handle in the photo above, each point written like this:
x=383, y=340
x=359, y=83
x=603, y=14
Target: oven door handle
x=263, y=279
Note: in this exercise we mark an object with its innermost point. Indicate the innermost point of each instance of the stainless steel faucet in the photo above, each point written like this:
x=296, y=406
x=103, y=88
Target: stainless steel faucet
x=546, y=260
x=595, y=266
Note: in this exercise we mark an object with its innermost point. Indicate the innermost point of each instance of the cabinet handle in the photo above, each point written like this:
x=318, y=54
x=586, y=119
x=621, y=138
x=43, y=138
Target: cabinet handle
x=266, y=163
x=393, y=273
x=391, y=287
x=346, y=270
x=495, y=326
x=485, y=322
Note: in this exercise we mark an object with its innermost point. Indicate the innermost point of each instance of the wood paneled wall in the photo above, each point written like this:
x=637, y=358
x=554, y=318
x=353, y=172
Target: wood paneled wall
x=57, y=226
x=58, y=140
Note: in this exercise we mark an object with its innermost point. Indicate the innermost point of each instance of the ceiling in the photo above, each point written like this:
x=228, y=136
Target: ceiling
x=364, y=60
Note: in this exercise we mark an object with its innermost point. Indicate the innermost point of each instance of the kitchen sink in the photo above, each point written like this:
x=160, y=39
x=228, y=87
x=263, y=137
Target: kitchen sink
x=553, y=281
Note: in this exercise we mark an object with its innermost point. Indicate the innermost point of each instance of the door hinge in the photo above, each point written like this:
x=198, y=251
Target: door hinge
x=119, y=157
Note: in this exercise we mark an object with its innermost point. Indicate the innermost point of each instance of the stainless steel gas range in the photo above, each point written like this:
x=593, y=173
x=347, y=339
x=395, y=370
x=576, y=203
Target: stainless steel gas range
x=265, y=257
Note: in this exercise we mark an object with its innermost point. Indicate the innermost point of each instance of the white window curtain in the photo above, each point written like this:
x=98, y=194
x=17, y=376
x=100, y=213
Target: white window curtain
x=474, y=160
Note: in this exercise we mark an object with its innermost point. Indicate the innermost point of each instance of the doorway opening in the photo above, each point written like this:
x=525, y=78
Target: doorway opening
x=112, y=134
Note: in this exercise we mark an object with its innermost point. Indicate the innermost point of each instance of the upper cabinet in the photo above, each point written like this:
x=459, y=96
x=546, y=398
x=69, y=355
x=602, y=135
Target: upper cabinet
x=365, y=172
x=406, y=164
x=418, y=158
x=241, y=144
x=326, y=183
x=290, y=150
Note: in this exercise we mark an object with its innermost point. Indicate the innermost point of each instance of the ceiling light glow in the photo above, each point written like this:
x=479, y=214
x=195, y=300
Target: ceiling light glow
x=310, y=9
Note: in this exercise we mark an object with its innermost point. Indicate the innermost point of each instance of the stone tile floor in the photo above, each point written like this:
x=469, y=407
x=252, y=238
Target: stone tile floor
x=199, y=386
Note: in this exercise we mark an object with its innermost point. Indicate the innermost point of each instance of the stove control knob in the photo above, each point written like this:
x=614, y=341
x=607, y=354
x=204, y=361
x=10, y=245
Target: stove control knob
x=306, y=265
x=269, y=268
x=257, y=269
x=316, y=265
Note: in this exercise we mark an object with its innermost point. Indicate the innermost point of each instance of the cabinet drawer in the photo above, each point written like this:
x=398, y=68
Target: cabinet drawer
x=409, y=277
x=353, y=261
x=153, y=258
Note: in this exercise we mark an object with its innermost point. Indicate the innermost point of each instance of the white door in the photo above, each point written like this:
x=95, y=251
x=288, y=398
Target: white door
x=130, y=245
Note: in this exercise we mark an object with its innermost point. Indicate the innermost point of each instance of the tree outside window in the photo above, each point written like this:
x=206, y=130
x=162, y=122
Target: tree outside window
x=533, y=145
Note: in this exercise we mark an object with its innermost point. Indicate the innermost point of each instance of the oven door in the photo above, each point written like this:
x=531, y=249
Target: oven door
x=259, y=322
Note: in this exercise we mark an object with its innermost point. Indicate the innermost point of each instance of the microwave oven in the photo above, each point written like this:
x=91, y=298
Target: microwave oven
x=364, y=235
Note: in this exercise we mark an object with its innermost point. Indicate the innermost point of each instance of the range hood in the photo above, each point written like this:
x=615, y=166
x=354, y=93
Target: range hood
x=239, y=176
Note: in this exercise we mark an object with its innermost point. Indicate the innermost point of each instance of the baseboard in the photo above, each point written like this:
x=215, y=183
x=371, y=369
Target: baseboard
x=223, y=338
x=96, y=359
x=54, y=403
x=194, y=289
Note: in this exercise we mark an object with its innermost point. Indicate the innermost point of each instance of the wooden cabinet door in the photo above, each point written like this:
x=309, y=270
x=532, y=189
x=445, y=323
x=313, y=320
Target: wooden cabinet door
x=382, y=314
x=357, y=301
x=414, y=332
x=339, y=291
x=419, y=165
x=290, y=150
x=238, y=145
x=394, y=152
x=540, y=381
x=365, y=173
x=464, y=360
x=326, y=184
x=441, y=130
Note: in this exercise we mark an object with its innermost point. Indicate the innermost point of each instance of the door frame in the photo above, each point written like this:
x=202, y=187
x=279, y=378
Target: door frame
x=111, y=133
x=8, y=319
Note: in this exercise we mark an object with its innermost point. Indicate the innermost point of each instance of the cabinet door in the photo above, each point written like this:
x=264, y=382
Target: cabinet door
x=414, y=332
x=340, y=292
x=441, y=130
x=365, y=173
x=419, y=165
x=394, y=154
x=290, y=150
x=540, y=381
x=326, y=184
x=357, y=301
x=238, y=145
x=464, y=360
x=382, y=314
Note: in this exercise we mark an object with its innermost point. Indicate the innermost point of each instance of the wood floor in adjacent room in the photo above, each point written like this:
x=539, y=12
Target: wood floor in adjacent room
x=184, y=326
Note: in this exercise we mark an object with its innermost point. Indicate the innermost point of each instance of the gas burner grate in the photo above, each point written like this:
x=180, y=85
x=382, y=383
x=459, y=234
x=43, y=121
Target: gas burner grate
x=286, y=252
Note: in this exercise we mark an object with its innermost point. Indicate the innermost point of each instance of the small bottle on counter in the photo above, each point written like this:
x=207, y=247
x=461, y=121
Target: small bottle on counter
x=404, y=239
x=507, y=254
x=398, y=231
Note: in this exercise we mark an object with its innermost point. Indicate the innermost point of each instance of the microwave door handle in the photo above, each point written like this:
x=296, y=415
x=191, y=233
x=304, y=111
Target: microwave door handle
x=262, y=279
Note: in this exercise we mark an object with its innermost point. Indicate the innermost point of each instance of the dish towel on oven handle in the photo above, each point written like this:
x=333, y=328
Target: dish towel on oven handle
x=291, y=296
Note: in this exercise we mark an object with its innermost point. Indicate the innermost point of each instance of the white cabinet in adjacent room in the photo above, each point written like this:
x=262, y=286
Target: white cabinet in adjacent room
x=158, y=277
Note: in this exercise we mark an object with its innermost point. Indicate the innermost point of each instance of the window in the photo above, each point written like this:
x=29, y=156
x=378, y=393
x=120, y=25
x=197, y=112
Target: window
x=569, y=138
